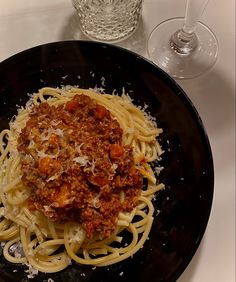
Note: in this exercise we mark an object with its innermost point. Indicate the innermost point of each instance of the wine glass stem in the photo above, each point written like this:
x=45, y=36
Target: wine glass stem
x=184, y=41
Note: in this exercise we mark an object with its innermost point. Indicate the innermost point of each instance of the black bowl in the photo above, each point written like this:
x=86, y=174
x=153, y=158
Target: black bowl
x=183, y=208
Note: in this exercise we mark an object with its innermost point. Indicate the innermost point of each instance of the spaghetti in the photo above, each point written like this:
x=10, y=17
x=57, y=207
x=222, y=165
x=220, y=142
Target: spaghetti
x=45, y=222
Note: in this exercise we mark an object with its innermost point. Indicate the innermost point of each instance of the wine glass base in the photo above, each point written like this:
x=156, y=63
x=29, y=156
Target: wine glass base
x=181, y=65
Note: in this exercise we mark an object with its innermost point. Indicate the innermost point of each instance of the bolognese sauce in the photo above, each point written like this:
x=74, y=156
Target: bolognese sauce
x=73, y=159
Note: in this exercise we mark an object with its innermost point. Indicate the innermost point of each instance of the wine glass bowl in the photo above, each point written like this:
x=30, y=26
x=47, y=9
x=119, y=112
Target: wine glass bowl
x=184, y=47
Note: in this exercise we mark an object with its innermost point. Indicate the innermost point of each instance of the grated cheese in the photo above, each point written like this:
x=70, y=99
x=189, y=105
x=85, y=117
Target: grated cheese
x=93, y=166
x=158, y=169
x=83, y=160
x=58, y=132
x=96, y=202
x=47, y=134
x=55, y=122
x=114, y=167
x=42, y=154
x=77, y=234
x=78, y=148
x=32, y=272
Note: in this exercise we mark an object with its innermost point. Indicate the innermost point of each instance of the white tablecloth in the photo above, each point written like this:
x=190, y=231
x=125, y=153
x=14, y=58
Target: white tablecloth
x=27, y=23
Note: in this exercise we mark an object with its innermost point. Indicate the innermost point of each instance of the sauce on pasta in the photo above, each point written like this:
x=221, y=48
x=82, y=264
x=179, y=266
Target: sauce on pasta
x=73, y=159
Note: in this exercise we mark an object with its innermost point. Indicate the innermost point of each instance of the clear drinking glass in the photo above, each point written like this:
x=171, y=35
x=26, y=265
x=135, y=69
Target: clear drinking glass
x=184, y=47
x=108, y=20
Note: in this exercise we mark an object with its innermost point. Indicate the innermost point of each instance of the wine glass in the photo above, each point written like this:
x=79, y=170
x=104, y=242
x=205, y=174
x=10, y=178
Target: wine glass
x=184, y=47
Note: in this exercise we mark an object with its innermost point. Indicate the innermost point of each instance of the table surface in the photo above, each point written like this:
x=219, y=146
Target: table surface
x=27, y=23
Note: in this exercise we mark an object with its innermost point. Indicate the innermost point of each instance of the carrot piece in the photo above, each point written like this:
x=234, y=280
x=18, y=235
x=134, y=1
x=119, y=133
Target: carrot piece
x=44, y=165
x=99, y=180
x=116, y=151
x=47, y=165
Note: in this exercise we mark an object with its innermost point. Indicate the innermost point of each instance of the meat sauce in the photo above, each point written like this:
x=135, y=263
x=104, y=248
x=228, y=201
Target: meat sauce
x=73, y=159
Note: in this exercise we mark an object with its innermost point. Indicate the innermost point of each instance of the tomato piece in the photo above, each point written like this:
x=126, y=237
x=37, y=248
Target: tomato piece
x=116, y=151
x=101, y=112
x=100, y=180
x=72, y=105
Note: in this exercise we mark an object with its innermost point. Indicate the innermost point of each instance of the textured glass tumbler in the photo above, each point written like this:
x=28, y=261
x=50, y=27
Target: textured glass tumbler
x=108, y=20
